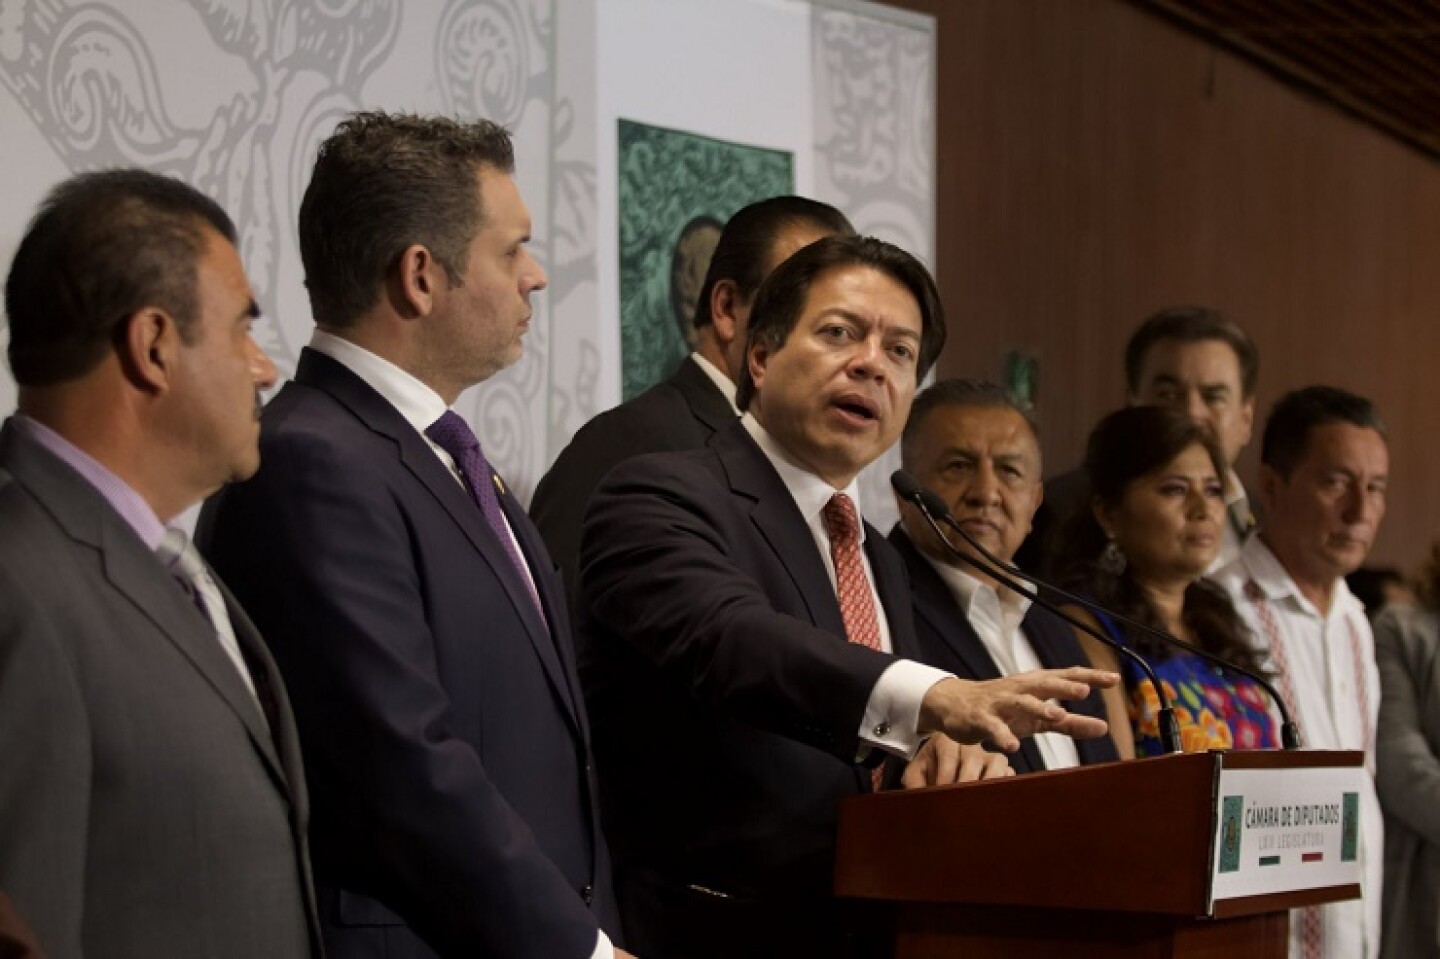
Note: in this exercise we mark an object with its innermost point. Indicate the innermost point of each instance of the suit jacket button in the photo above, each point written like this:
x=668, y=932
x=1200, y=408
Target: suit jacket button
x=882, y=730
x=588, y=894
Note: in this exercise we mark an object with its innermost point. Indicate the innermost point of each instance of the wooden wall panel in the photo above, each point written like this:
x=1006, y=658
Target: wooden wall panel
x=1096, y=163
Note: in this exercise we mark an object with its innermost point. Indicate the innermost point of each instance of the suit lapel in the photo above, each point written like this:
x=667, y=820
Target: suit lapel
x=894, y=588
x=284, y=737
x=707, y=403
x=155, y=593
x=936, y=605
x=552, y=599
x=1056, y=647
x=135, y=573
x=321, y=372
x=779, y=522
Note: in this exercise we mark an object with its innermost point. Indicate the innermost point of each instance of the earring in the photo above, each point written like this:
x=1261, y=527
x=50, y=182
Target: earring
x=1112, y=559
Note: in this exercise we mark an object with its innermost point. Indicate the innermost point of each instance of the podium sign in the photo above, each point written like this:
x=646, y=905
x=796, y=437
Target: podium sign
x=1172, y=856
x=1279, y=830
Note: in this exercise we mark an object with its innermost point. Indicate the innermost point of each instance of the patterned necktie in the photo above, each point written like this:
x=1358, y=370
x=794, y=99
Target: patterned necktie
x=453, y=435
x=183, y=561
x=857, y=603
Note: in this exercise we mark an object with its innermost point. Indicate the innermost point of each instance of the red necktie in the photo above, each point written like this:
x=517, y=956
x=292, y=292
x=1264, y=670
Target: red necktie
x=857, y=603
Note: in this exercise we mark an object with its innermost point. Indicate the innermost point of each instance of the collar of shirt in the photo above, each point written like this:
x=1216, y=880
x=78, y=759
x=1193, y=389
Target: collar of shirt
x=809, y=491
x=722, y=382
x=1235, y=491
x=417, y=403
x=995, y=615
x=120, y=495
x=1262, y=566
x=967, y=588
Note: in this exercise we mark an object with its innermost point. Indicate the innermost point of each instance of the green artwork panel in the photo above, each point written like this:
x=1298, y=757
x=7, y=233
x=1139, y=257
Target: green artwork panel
x=677, y=189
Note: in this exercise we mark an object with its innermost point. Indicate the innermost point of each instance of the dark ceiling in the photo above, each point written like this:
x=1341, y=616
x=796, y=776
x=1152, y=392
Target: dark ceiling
x=1378, y=59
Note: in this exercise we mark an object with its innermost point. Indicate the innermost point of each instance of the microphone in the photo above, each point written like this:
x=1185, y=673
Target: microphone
x=1289, y=732
x=931, y=505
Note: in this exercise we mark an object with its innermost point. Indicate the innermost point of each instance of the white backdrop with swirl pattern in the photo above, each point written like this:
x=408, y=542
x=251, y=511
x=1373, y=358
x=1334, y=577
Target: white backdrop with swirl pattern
x=234, y=95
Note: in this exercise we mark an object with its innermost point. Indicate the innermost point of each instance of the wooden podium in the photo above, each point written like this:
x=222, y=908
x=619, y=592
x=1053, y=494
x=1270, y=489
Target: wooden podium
x=1111, y=860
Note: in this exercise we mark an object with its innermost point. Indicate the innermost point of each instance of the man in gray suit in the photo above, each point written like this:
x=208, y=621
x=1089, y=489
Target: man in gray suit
x=152, y=801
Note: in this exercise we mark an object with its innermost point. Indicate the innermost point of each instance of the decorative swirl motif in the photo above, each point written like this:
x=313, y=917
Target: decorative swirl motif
x=103, y=96
x=345, y=40
x=574, y=207
x=897, y=223
x=856, y=73
x=482, y=61
x=915, y=147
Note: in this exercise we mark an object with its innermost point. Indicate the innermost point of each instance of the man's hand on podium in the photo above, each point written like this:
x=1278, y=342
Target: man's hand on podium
x=942, y=761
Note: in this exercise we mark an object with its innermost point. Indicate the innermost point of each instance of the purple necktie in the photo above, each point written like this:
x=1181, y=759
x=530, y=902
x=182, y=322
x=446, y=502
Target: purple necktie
x=453, y=435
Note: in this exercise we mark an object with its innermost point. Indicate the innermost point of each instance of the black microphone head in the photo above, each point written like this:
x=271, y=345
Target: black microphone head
x=931, y=501
x=905, y=485
x=911, y=491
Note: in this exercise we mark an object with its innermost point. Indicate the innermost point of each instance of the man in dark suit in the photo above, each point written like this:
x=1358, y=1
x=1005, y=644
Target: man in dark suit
x=684, y=411
x=971, y=444
x=152, y=800
x=410, y=603
x=719, y=588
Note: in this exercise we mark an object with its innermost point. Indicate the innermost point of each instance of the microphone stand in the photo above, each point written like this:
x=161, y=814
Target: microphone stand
x=1289, y=732
x=1169, y=725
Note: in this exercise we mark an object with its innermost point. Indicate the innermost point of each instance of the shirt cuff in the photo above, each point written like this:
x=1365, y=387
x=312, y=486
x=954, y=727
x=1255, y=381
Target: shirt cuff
x=892, y=714
x=604, y=948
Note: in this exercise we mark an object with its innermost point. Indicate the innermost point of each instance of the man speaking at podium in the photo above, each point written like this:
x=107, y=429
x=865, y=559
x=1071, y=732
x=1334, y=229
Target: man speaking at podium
x=739, y=625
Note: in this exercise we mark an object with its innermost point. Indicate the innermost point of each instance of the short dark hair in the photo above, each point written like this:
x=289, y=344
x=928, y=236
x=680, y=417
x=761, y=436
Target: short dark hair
x=102, y=246
x=383, y=182
x=781, y=298
x=743, y=253
x=959, y=393
x=1191, y=324
x=1296, y=415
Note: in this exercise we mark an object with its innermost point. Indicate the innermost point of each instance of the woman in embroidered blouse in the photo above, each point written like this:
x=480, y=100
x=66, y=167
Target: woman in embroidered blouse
x=1151, y=531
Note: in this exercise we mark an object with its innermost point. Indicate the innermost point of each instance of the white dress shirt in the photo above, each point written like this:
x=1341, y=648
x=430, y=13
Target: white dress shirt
x=420, y=406
x=1321, y=662
x=996, y=619
x=892, y=714
x=417, y=403
x=1237, y=512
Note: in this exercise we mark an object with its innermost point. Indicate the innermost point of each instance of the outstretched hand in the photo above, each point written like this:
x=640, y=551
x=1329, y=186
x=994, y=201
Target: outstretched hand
x=1004, y=711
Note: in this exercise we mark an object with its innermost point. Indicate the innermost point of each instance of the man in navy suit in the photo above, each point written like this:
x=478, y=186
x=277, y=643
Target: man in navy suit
x=970, y=443
x=684, y=411
x=742, y=625
x=409, y=601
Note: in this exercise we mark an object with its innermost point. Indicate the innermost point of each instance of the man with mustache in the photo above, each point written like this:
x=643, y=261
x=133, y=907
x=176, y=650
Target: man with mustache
x=980, y=452
x=741, y=625
x=413, y=608
x=152, y=799
x=1324, y=466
